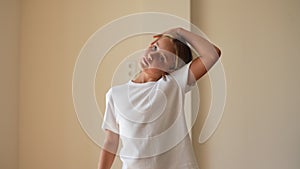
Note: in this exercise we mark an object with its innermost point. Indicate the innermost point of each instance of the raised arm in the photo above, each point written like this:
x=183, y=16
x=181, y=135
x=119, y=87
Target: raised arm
x=109, y=150
x=209, y=53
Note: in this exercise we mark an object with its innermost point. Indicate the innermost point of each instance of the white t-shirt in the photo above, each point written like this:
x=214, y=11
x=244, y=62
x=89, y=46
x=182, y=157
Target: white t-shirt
x=150, y=120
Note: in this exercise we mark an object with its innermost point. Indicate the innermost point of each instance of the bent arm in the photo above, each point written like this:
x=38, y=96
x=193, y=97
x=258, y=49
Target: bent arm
x=209, y=54
x=109, y=150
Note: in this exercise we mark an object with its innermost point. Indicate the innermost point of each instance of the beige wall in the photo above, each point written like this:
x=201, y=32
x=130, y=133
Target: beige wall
x=259, y=40
x=53, y=32
x=260, y=127
x=9, y=74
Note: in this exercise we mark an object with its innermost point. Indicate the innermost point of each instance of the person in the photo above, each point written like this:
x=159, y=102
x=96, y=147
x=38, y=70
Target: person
x=147, y=113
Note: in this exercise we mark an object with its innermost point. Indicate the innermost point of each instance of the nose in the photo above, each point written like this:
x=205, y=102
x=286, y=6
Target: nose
x=155, y=56
x=149, y=57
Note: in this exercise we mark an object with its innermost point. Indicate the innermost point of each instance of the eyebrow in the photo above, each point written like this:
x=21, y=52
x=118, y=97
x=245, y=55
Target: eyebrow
x=155, y=41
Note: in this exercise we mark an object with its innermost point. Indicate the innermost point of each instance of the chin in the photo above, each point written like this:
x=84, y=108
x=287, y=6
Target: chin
x=143, y=66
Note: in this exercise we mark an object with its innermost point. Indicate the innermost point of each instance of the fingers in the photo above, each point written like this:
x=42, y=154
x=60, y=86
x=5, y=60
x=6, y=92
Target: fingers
x=158, y=36
x=164, y=35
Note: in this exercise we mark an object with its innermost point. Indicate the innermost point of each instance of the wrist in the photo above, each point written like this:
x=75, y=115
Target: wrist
x=178, y=31
x=180, y=34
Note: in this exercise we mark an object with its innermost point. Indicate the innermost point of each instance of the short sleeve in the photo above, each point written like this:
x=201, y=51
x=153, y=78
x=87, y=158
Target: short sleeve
x=181, y=76
x=110, y=118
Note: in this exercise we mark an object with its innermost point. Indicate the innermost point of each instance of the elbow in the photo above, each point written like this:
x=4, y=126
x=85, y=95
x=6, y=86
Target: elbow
x=218, y=51
x=111, y=146
x=111, y=143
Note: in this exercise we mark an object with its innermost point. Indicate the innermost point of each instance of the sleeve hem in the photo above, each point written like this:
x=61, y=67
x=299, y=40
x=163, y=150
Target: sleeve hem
x=106, y=127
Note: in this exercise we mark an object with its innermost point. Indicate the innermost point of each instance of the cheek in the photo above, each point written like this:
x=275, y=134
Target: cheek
x=170, y=61
x=162, y=66
x=161, y=61
x=159, y=65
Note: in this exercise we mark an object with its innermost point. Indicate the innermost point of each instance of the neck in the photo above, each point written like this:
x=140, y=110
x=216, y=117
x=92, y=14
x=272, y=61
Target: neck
x=149, y=75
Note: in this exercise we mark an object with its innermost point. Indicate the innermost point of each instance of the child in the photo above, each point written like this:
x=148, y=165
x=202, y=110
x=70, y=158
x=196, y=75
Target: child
x=147, y=113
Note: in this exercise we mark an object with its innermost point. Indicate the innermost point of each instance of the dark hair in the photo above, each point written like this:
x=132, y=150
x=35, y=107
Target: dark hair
x=183, y=51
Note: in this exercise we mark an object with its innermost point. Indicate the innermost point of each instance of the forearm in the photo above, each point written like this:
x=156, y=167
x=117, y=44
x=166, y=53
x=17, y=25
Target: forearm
x=208, y=52
x=109, y=150
x=106, y=159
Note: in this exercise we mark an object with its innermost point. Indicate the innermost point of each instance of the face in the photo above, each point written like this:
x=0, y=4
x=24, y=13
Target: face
x=160, y=55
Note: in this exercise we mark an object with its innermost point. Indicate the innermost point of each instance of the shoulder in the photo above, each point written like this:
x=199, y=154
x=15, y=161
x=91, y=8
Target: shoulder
x=118, y=89
x=114, y=88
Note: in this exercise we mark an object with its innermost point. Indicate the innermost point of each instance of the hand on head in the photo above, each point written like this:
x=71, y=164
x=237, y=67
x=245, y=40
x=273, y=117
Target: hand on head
x=173, y=33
